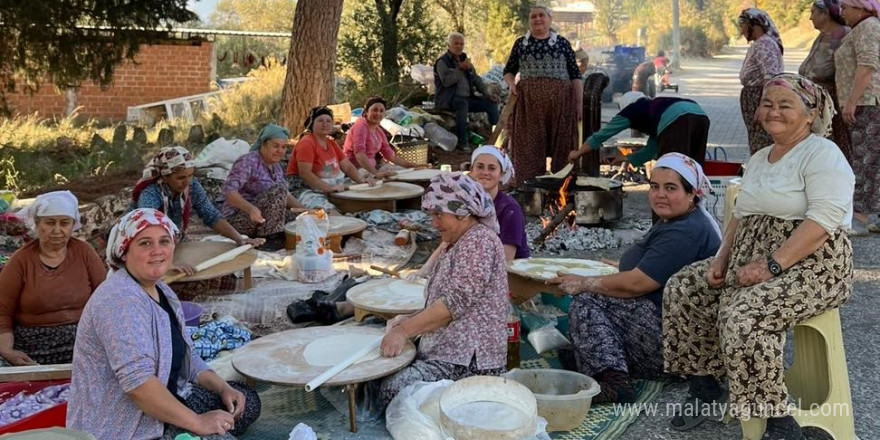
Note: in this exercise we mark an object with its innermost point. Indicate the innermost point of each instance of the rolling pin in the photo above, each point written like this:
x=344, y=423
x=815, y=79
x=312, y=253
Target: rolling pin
x=226, y=256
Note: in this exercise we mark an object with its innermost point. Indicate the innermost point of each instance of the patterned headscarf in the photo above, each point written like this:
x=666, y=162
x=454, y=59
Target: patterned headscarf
x=314, y=113
x=832, y=7
x=693, y=173
x=761, y=18
x=49, y=204
x=270, y=131
x=813, y=95
x=168, y=161
x=128, y=227
x=458, y=194
x=868, y=5
x=506, y=165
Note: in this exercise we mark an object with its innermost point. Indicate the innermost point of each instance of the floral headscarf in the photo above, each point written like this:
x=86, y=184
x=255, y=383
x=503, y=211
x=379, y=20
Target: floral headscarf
x=868, y=5
x=52, y=203
x=168, y=161
x=813, y=95
x=458, y=194
x=503, y=159
x=693, y=173
x=128, y=227
x=270, y=131
x=832, y=7
x=761, y=18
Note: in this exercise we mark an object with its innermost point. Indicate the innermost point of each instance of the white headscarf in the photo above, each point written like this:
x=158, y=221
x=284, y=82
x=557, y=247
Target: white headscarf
x=692, y=172
x=52, y=203
x=503, y=159
x=629, y=98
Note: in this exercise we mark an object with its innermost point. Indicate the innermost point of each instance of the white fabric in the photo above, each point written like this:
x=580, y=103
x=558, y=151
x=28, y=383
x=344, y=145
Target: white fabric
x=503, y=159
x=553, y=37
x=51, y=204
x=629, y=98
x=691, y=171
x=812, y=181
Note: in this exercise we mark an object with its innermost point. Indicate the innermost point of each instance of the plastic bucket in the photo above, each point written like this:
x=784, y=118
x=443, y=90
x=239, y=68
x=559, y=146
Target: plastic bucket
x=192, y=313
x=563, y=397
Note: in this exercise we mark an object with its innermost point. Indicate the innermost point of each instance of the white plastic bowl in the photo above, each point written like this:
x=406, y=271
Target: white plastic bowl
x=488, y=408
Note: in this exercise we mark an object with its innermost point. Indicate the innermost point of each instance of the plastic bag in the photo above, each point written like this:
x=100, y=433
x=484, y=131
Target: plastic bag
x=414, y=414
x=540, y=320
x=546, y=339
x=302, y=432
x=314, y=259
x=441, y=136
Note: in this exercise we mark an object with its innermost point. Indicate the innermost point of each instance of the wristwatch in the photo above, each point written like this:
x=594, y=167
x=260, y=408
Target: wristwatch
x=774, y=266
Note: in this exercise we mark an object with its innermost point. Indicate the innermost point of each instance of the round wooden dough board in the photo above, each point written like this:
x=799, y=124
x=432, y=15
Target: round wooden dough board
x=388, y=191
x=417, y=175
x=543, y=269
x=339, y=225
x=278, y=358
x=195, y=252
x=378, y=296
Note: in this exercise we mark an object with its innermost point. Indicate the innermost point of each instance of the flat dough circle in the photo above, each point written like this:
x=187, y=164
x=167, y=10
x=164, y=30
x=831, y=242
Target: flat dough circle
x=408, y=291
x=331, y=350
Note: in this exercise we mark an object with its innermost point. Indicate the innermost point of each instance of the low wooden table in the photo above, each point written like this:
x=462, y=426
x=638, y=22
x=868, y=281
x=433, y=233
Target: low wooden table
x=375, y=298
x=278, y=359
x=526, y=283
x=418, y=177
x=340, y=227
x=195, y=252
x=391, y=196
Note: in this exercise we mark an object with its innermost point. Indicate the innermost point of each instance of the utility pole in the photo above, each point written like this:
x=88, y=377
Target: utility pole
x=676, y=37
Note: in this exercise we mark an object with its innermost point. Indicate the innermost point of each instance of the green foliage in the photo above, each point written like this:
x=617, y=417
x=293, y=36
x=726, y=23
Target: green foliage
x=57, y=39
x=250, y=15
x=360, y=46
x=505, y=22
x=608, y=19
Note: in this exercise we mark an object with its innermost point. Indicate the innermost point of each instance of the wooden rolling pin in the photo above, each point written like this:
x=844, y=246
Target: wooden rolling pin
x=393, y=273
x=226, y=256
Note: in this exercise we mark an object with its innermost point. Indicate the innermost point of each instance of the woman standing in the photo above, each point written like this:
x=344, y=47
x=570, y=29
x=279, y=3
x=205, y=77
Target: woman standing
x=785, y=257
x=257, y=200
x=318, y=166
x=858, y=89
x=135, y=374
x=549, y=98
x=366, y=139
x=763, y=60
x=819, y=64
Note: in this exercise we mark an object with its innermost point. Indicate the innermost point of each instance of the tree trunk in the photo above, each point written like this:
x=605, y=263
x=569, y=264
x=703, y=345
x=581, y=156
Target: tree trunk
x=388, y=13
x=312, y=60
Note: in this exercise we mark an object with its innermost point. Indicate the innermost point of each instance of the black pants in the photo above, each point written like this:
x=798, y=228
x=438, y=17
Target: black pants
x=687, y=135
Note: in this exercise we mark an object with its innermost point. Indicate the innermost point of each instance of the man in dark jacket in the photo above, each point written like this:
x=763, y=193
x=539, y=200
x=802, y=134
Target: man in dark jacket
x=455, y=81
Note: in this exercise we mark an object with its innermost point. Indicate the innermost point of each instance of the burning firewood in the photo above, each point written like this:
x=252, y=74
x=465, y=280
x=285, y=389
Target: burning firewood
x=557, y=220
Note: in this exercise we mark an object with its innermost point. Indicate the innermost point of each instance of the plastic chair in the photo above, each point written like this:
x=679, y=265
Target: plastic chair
x=818, y=380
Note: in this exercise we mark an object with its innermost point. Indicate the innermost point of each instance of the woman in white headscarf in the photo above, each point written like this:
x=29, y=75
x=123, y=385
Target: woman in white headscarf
x=46, y=284
x=615, y=319
x=491, y=168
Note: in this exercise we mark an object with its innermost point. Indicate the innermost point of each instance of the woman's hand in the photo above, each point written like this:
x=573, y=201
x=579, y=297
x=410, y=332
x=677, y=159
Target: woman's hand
x=214, y=422
x=568, y=283
x=394, y=341
x=337, y=188
x=185, y=268
x=234, y=401
x=394, y=322
x=574, y=155
x=716, y=272
x=512, y=87
x=753, y=273
x=849, y=112
x=370, y=181
x=251, y=241
x=17, y=358
x=611, y=262
x=255, y=215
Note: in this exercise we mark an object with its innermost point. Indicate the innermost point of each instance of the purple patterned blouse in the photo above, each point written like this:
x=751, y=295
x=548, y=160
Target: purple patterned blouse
x=471, y=278
x=123, y=339
x=763, y=60
x=250, y=176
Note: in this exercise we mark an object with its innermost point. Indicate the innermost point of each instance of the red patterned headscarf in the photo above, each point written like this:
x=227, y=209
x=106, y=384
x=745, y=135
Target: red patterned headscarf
x=129, y=226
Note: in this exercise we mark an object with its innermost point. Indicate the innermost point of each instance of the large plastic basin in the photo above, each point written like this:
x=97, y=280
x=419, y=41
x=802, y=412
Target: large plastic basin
x=563, y=397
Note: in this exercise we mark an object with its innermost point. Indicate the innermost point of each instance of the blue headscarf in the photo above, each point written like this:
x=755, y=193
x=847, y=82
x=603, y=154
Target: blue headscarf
x=270, y=131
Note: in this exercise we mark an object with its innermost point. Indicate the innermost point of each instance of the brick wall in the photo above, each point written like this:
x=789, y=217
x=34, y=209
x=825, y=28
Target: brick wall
x=163, y=71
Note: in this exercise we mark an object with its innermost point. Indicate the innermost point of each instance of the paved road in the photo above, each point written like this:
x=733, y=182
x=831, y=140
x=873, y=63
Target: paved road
x=715, y=85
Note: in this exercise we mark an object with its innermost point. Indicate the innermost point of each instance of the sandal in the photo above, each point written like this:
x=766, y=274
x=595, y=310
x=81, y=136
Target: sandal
x=694, y=411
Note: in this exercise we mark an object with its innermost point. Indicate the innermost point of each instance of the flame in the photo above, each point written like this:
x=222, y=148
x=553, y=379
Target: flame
x=561, y=202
